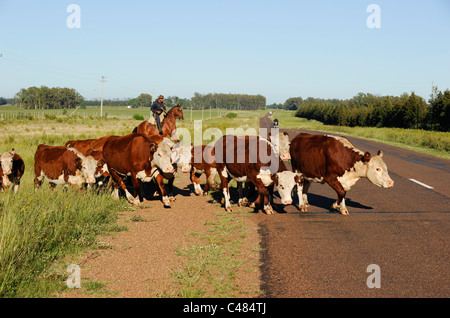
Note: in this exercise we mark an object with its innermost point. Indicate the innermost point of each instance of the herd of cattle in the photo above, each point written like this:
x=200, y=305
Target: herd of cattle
x=257, y=164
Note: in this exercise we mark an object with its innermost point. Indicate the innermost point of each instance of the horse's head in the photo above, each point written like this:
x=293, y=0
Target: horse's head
x=177, y=112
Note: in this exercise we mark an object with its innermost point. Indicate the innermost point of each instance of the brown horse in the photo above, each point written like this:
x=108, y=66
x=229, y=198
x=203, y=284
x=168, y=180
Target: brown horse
x=168, y=125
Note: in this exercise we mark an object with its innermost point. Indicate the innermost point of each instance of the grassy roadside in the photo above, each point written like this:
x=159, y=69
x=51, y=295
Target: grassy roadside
x=428, y=142
x=39, y=228
x=220, y=262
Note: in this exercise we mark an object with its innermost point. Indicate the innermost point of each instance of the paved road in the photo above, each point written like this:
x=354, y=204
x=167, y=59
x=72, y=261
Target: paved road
x=404, y=230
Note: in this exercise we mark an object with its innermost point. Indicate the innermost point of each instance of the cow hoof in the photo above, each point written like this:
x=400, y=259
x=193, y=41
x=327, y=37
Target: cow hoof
x=269, y=210
x=171, y=199
x=205, y=193
x=344, y=211
x=166, y=202
x=244, y=202
x=252, y=205
x=136, y=202
x=229, y=210
x=304, y=208
x=197, y=192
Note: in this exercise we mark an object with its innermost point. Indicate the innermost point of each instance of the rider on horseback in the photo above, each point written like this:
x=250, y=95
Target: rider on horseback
x=157, y=108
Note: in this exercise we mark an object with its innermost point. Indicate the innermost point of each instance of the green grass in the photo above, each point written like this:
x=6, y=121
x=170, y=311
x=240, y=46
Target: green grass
x=429, y=142
x=210, y=266
x=38, y=228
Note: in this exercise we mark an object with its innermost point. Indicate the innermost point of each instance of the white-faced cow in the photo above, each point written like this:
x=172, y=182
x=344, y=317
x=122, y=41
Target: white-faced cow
x=179, y=156
x=12, y=168
x=334, y=160
x=61, y=165
x=253, y=159
x=282, y=144
x=136, y=156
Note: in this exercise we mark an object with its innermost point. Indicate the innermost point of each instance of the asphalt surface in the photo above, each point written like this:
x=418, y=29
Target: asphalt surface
x=403, y=230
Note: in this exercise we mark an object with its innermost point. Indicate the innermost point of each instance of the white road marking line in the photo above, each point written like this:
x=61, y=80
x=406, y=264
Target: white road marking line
x=422, y=184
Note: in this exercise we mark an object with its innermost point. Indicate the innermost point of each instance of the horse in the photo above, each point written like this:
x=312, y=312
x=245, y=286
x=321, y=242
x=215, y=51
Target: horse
x=168, y=125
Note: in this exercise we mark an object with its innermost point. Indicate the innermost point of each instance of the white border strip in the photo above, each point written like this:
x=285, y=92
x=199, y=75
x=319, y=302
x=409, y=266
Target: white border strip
x=422, y=184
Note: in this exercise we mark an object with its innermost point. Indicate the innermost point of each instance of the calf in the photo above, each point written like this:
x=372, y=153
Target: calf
x=136, y=156
x=253, y=159
x=61, y=165
x=12, y=168
x=334, y=160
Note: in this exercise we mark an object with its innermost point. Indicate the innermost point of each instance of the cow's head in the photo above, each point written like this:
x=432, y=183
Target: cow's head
x=162, y=157
x=181, y=157
x=282, y=144
x=102, y=168
x=377, y=172
x=284, y=183
x=86, y=164
x=6, y=162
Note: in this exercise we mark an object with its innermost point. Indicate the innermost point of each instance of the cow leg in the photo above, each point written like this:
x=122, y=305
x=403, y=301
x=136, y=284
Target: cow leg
x=208, y=182
x=170, y=188
x=196, y=182
x=263, y=197
x=340, y=203
x=225, y=190
x=37, y=182
x=162, y=189
x=121, y=184
x=302, y=205
x=306, y=185
x=137, y=190
x=240, y=200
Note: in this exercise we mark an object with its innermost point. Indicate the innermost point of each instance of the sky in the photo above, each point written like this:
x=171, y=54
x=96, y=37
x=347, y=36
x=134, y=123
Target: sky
x=278, y=49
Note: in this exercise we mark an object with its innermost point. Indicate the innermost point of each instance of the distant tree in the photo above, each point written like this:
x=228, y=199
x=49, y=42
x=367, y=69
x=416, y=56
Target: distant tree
x=3, y=101
x=144, y=100
x=293, y=103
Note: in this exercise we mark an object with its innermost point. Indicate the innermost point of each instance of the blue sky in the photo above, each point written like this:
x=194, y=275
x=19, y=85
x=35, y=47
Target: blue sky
x=279, y=49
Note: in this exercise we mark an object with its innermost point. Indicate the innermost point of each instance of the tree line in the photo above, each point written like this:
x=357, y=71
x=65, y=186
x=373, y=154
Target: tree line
x=367, y=110
x=55, y=98
x=228, y=101
x=48, y=98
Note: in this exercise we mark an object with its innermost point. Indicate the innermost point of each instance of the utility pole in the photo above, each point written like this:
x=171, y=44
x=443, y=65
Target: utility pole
x=101, y=103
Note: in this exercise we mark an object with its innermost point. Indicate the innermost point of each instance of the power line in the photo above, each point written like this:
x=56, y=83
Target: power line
x=101, y=103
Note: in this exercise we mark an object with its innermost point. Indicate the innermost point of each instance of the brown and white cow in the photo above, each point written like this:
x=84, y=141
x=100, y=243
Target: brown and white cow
x=253, y=159
x=179, y=157
x=84, y=145
x=334, y=160
x=136, y=156
x=61, y=165
x=203, y=161
x=12, y=168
